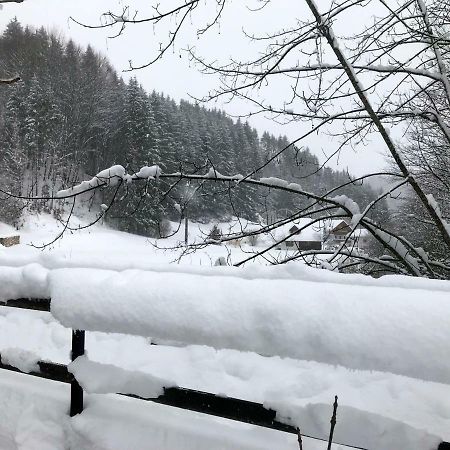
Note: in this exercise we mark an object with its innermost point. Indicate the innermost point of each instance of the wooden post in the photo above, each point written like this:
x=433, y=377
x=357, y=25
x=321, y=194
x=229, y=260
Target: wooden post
x=76, y=391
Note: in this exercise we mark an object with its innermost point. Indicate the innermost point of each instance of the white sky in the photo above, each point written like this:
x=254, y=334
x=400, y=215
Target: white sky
x=173, y=75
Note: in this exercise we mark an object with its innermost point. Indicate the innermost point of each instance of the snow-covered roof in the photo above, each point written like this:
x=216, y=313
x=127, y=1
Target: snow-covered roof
x=331, y=225
x=237, y=225
x=311, y=233
x=6, y=230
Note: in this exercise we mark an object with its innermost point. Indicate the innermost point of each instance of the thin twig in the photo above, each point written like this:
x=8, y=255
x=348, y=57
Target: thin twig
x=333, y=422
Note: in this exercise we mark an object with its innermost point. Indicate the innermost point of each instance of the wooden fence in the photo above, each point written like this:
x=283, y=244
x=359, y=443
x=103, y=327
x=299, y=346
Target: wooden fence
x=203, y=402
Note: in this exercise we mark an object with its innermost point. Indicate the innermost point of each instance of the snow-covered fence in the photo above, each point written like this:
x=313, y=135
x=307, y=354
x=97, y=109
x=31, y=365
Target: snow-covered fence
x=360, y=327
x=288, y=311
x=203, y=402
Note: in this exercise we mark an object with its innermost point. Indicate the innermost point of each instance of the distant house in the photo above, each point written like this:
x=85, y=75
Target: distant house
x=298, y=235
x=337, y=231
x=9, y=241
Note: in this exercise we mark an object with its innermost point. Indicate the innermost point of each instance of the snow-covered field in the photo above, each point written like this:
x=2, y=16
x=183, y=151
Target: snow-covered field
x=380, y=345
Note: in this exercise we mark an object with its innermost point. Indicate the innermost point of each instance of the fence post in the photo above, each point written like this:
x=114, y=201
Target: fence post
x=76, y=391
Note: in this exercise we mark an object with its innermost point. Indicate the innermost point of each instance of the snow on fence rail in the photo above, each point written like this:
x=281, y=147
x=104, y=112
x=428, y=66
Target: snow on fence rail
x=290, y=311
x=81, y=371
x=360, y=327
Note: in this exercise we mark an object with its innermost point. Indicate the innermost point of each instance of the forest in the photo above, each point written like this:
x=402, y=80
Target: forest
x=73, y=115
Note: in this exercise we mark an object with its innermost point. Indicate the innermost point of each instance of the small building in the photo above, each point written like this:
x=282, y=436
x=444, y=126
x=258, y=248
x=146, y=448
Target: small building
x=297, y=235
x=337, y=231
x=9, y=241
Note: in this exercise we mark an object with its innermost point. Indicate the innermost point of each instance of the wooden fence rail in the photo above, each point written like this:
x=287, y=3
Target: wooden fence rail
x=189, y=399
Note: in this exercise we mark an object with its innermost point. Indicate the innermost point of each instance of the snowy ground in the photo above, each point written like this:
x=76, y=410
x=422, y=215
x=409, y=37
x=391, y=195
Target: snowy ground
x=378, y=409
x=103, y=247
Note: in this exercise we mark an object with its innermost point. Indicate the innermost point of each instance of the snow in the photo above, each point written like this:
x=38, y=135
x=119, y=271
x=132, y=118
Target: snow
x=336, y=324
x=107, y=177
x=368, y=430
x=29, y=281
x=356, y=218
x=273, y=181
x=294, y=186
x=23, y=360
x=98, y=378
x=434, y=204
x=148, y=172
x=310, y=233
x=249, y=376
x=213, y=173
x=348, y=203
x=400, y=248
x=393, y=406
x=7, y=230
x=34, y=411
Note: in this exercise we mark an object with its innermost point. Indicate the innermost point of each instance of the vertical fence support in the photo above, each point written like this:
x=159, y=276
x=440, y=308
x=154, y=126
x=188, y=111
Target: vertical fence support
x=76, y=391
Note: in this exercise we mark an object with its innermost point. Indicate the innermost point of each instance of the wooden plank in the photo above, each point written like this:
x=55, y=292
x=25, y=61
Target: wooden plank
x=28, y=303
x=226, y=407
x=48, y=370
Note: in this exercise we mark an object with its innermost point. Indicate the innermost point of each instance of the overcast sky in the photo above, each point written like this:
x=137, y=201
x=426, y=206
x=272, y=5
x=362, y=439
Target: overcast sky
x=173, y=75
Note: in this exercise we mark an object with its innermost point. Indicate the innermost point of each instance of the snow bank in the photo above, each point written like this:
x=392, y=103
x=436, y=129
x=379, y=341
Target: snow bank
x=29, y=281
x=98, y=378
x=356, y=427
x=386, y=329
x=33, y=415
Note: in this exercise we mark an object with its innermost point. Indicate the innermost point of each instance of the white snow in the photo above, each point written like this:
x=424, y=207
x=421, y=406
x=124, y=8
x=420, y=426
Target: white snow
x=107, y=177
x=395, y=407
x=7, y=230
x=273, y=181
x=403, y=400
x=24, y=360
x=33, y=415
x=348, y=203
x=434, y=204
x=29, y=281
x=213, y=173
x=337, y=324
x=309, y=233
x=98, y=378
x=148, y=172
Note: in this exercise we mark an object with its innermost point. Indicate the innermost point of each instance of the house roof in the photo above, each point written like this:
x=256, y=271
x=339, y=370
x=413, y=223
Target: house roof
x=311, y=233
x=341, y=226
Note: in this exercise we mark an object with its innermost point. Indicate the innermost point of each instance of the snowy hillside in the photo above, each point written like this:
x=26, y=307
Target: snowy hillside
x=290, y=337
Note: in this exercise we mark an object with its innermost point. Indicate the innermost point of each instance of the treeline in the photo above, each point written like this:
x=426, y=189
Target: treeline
x=72, y=115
